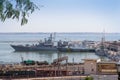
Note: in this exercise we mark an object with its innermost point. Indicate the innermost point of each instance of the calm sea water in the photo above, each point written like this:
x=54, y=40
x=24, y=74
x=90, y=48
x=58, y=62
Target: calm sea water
x=7, y=54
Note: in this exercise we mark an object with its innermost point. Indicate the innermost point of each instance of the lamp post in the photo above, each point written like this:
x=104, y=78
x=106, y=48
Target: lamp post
x=91, y=68
x=118, y=70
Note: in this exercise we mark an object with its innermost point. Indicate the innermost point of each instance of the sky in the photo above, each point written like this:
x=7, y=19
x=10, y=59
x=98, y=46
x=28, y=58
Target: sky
x=70, y=16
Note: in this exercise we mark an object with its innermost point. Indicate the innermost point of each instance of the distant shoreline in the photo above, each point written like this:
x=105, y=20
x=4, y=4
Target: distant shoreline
x=59, y=32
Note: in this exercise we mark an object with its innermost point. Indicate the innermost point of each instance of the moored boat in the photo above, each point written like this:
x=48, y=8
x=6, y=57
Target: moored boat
x=76, y=47
x=63, y=49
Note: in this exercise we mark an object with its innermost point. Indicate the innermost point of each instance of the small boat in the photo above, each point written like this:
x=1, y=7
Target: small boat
x=47, y=45
x=102, y=50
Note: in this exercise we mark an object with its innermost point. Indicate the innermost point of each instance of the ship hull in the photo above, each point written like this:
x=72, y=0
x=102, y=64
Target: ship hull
x=75, y=50
x=27, y=48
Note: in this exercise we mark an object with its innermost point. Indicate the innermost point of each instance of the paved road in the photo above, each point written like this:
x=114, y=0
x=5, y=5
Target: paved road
x=96, y=77
x=105, y=77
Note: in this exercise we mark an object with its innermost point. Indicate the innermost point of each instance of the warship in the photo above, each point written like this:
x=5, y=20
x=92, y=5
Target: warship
x=47, y=45
x=75, y=47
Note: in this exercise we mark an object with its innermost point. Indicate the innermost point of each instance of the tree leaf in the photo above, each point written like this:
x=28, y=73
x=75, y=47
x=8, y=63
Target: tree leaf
x=16, y=9
x=24, y=21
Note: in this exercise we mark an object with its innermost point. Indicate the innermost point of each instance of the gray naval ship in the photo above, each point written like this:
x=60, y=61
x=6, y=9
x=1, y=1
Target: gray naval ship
x=75, y=47
x=47, y=45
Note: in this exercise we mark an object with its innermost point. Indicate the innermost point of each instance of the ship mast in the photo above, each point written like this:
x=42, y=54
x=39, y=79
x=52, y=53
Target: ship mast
x=52, y=37
x=103, y=39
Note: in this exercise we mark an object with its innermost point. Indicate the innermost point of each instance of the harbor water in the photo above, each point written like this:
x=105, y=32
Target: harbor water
x=7, y=53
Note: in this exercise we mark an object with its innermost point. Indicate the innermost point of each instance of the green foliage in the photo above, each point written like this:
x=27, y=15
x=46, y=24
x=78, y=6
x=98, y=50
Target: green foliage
x=13, y=9
x=89, y=78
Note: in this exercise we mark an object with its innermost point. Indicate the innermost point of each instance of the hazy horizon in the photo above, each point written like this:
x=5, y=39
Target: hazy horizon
x=64, y=32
